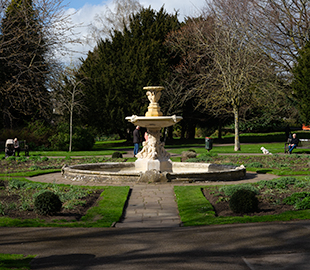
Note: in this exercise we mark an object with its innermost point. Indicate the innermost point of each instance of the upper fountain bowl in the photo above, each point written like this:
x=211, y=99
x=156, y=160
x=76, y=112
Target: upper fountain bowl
x=154, y=121
x=153, y=118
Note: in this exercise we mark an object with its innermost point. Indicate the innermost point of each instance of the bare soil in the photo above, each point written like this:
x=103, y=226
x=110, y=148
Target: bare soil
x=13, y=202
x=270, y=201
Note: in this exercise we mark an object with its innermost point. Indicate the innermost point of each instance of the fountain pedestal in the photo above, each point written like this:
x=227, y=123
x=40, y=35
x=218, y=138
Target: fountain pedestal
x=153, y=155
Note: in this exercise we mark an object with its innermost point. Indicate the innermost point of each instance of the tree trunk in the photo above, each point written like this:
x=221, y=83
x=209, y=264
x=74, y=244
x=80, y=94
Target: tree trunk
x=237, y=141
x=219, y=136
x=170, y=133
x=70, y=142
x=190, y=133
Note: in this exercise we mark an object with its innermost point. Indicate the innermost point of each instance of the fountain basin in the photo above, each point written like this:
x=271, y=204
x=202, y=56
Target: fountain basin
x=117, y=173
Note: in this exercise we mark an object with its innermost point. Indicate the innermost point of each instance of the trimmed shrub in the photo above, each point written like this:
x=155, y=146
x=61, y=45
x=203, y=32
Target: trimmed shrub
x=243, y=201
x=47, y=203
x=117, y=155
x=188, y=154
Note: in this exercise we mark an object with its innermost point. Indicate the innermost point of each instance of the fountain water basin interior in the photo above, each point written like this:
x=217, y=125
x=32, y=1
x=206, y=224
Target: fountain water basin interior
x=153, y=162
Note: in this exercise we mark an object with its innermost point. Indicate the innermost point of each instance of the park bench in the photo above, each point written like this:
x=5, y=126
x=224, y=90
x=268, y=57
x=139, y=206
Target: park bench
x=22, y=144
x=303, y=144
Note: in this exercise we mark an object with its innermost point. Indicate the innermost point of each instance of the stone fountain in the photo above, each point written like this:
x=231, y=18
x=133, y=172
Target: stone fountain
x=153, y=155
x=153, y=162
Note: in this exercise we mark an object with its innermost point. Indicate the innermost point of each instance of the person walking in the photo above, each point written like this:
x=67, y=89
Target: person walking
x=136, y=140
x=16, y=147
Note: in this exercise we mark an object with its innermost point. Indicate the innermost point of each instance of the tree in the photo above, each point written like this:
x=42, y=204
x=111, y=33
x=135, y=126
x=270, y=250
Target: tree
x=301, y=83
x=31, y=36
x=23, y=64
x=69, y=97
x=119, y=68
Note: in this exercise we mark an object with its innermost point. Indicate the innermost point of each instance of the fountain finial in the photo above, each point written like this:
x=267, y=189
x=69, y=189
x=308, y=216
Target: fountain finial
x=153, y=93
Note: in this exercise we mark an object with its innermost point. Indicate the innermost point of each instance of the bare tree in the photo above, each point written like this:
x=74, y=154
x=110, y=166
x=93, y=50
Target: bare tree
x=277, y=27
x=69, y=95
x=235, y=70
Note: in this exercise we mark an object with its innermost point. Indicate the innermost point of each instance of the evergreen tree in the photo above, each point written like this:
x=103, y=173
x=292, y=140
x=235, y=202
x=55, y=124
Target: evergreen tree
x=119, y=68
x=301, y=83
x=23, y=92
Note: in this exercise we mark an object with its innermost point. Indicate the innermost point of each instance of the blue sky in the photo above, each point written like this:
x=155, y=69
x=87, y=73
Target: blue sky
x=77, y=4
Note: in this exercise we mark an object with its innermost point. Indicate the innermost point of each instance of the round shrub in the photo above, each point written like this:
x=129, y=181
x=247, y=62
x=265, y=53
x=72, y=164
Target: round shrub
x=187, y=155
x=243, y=201
x=117, y=155
x=47, y=203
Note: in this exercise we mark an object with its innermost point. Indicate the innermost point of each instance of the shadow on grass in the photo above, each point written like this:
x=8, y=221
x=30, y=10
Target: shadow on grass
x=264, y=171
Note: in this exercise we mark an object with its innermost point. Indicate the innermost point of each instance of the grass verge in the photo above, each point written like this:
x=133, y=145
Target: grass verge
x=15, y=261
x=195, y=210
x=29, y=174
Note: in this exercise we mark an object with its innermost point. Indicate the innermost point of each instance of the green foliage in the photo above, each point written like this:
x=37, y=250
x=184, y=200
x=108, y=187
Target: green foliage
x=119, y=68
x=34, y=168
x=2, y=209
x=301, y=83
x=47, y=203
x=16, y=184
x=201, y=158
x=243, y=201
x=280, y=183
x=11, y=158
x=254, y=165
x=230, y=190
x=82, y=138
x=24, y=70
x=296, y=198
x=117, y=155
x=304, y=204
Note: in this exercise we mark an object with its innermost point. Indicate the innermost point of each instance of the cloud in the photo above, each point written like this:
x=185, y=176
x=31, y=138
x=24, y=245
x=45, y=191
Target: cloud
x=86, y=15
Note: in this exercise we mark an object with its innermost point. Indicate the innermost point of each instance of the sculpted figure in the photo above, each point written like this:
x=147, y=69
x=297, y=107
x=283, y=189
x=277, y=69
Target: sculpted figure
x=153, y=96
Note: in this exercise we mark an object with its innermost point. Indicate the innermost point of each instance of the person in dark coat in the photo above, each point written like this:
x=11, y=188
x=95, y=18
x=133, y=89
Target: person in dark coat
x=293, y=144
x=136, y=140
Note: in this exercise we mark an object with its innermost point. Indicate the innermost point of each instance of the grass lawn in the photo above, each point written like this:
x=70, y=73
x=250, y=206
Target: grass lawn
x=15, y=261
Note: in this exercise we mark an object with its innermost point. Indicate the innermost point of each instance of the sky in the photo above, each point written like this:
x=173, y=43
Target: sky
x=85, y=11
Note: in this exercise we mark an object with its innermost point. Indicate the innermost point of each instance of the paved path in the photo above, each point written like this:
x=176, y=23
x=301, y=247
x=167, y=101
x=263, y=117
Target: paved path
x=261, y=246
x=151, y=206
